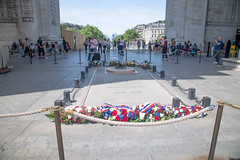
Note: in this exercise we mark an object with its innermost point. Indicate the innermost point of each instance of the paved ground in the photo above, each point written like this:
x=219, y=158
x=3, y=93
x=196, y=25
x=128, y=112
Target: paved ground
x=29, y=87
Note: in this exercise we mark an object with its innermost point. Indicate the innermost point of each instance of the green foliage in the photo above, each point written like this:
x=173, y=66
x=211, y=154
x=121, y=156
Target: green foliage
x=160, y=36
x=117, y=37
x=63, y=25
x=130, y=34
x=90, y=31
x=161, y=21
x=50, y=115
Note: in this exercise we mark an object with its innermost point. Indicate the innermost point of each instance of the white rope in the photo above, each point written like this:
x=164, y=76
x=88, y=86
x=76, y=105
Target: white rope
x=21, y=114
x=141, y=124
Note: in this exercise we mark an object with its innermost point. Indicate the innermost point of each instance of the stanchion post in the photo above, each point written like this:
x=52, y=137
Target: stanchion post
x=150, y=56
x=175, y=102
x=86, y=69
x=76, y=83
x=177, y=59
x=126, y=55
x=191, y=93
x=80, y=57
x=58, y=133
x=174, y=81
x=30, y=56
x=55, y=57
x=82, y=75
x=216, y=130
x=208, y=49
x=162, y=74
x=154, y=69
x=200, y=57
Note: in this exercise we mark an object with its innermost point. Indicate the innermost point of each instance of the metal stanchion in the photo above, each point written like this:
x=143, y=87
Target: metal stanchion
x=58, y=133
x=80, y=57
x=200, y=57
x=216, y=130
x=191, y=93
x=150, y=60
x=177, y=59
x=174, y=81
x=76, y=83
x=154, y=69
x=86, y=69
x=126, y=55
x=162, y=74
x=175, y=102
x=30, y=56
x=208, y=49
x=55, y=57
x=82, y=75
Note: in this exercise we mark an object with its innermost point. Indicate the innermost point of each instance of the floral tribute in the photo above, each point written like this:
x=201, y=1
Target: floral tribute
x=96, y=63
x=148, y=112
x=145, y=65
x=114, y=63
x=130, y=64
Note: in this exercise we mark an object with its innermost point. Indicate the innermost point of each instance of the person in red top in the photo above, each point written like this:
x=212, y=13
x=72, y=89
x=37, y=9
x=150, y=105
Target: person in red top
x=164, y=50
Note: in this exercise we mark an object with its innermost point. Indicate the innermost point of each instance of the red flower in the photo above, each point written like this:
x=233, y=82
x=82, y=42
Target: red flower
x=53, y=114
x=62, y=120
x=118, y=118
x=160, y=108
x=136, y=112
x=125, y=119
x=78, y=120
x=176, y=108
x=124, y=112
x=187, y=111
x=146, y=113
x=151, y=111
x=181, y=113
x=198, y=107
x=156, y=118
x=114, y=113
x=183, y=107
x=194, y=111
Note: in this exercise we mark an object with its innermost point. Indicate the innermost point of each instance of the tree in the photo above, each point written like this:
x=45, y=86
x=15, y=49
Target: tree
x=130, y=34
x=117, y=37
x=90, y=31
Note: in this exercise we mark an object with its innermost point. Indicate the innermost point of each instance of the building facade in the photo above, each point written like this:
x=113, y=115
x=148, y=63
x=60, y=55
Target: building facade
x=29, y=18
x=202, y=21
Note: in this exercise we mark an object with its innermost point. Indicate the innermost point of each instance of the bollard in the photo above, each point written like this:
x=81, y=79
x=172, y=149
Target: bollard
x=76, y=83
x=58, y=103
x=150, y=56
x=82, y=75
x=58, y=132
x=80, y=58
x=206, y=101
x=86, y=69
x=216, y=130
x=30, y=56
x=126, y=55
x=174, y=81
x=154, y=69
x=162, y=74
x=191, y=93
x=176, y=102
x=208, y=49
x=66, y=96
x=105, y=57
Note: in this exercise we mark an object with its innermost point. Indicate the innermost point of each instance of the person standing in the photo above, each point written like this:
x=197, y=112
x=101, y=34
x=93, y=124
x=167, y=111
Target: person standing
x=26, y=47
x=143, y=44
x=138, y=44
x=218, y=43
x=100, y=45
x=40, y=48
x=20, y=47
x=228, y=47
x=64, y=44
x=114, y=44
x=121, y=45
x=85, y=43
x=149, y=46
x=104, y=45
x=164, y=50
x=93, y=47
x=108, y=45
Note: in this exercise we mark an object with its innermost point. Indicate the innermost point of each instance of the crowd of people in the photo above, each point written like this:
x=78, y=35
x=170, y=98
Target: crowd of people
x=28, y=48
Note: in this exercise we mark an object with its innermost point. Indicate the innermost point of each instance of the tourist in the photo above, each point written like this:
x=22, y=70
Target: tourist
x=118, y=46
x=100, y=45
x=51, y=49
x=40, y=48
x=138, y=44
x=173, y=46
x=93, y=47
x=218, y=43
x=20, y=47
x=64, y=44
x=179, y=47
x=114, y=44
x=121, y=45
x=149, y=46
x=14, y=46
x=108, y=45
x=228, y=47
x=104, y=45
x=143, y=44
x=26, y=47
x=156, y=45
x=85, y=43
x=32, y=48
x=164, y=50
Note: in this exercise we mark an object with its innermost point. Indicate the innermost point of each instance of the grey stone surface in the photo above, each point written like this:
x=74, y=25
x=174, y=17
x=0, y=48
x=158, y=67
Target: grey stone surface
x=30, y=87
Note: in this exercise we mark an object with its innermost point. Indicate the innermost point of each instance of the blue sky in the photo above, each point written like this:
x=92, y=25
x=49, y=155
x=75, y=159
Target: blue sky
x=112, y=16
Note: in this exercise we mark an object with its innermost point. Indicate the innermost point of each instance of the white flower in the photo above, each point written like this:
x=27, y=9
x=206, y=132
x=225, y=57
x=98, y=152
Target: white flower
x=155, y=109
x=161, y=114
x=69, y=108
x=78, y=109
x=69, y=116
x=176, y=112
x=114, y=117
x=141, y=115
x=181, y=110
x=89, y=108
x=150, y=116
x=134, y=108
x=112, y=109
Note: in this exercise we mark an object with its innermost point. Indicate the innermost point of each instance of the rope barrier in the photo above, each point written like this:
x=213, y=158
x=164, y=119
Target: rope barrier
x=230, y=105
x=139, y=51
x=138, y=124
x=220, y=51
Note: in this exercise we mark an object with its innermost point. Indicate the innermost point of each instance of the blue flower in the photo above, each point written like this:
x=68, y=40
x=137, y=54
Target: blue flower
x=121, y=116
x=158, y=114
x=129, y=114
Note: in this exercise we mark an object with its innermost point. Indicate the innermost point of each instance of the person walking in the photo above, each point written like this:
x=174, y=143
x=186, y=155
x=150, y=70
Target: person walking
x=85, y=43
x=40, y=48
x=165, y=48
x=93, y=47
x=26, y=47
x=218, y=43
x=143, y=44
x=138, y=44
x=121, y=45
x=108, y=45
x=20, y=47
x=100, y=45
